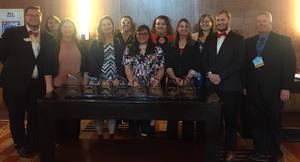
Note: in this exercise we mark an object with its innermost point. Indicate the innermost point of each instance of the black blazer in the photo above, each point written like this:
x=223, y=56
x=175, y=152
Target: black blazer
x=19, y=60
x=96, y=57
x=228, y=63
x=278, y=70
x=124, y=43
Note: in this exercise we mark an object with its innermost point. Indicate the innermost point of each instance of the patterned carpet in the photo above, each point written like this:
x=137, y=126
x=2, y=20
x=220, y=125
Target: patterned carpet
x=9, y=154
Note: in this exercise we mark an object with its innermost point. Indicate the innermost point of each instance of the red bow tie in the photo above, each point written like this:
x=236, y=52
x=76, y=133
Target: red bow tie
x=220, y=34
x=35, y=34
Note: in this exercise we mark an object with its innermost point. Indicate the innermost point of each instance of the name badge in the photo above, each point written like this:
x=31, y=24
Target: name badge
x=27, y=39
x=258, y=62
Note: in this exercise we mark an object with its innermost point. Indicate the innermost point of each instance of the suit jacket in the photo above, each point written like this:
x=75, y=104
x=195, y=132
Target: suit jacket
x=19, y=60
x=227, y=63
x=96, y=57
x=278, y=70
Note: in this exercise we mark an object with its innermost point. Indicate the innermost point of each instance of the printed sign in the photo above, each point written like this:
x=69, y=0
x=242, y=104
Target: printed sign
x=10, y=18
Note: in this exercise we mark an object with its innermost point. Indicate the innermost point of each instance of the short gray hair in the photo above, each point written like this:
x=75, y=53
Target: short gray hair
x=266, y=13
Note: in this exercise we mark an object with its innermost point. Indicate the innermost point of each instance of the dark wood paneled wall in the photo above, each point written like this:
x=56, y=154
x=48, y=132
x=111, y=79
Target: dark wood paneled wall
x=143, y=11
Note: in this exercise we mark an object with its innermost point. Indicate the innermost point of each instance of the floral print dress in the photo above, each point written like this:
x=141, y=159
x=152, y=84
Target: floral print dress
x=144, y=66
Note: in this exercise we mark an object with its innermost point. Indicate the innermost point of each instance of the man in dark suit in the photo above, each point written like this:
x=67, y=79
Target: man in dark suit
x=222, y=63
x=270, y=72
x=22, y=55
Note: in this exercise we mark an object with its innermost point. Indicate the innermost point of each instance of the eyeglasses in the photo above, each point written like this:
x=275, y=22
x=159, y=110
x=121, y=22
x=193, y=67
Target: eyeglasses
x=32, y=15
x=142, y=33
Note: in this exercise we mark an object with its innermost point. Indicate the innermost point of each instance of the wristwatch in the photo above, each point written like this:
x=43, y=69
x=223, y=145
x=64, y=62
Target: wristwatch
x=208, y=74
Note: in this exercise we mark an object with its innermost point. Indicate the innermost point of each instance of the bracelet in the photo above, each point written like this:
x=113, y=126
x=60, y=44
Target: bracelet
x=207, y=74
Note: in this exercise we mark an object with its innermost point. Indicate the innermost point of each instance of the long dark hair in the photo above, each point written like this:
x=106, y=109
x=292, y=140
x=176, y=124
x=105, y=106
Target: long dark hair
x=189, y=39
x=99, y=31
x=134, y=46
x=55, y=18
x=133, y=26
x=168, y=23
x=202, y=17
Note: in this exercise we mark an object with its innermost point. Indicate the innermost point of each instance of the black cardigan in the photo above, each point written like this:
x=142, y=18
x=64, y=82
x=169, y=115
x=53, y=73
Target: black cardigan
x=182, y=63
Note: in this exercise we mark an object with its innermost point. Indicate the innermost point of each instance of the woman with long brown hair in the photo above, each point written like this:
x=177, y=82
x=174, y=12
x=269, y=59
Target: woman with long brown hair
x=182, y=63
x=105, y=62
x=126, y=31
x=205, y=27
x=67, y=68
x=52, y=25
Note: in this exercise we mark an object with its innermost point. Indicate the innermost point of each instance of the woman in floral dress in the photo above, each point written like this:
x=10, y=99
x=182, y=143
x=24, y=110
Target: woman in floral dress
x=144, y=66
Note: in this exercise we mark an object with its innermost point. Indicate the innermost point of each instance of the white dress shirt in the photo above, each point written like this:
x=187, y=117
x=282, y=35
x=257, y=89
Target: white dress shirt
x=221, y=40
x=35, y=43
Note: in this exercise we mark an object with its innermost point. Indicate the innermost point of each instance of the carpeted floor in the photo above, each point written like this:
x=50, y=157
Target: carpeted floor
x=136, y=149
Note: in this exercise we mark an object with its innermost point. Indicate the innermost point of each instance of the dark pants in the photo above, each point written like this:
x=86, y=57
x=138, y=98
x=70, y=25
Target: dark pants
x=139, y=126
x=188, y=125
x=67, y=129
x=264, y=115
x=187, y=129
x=231, y=104
x=18, y=103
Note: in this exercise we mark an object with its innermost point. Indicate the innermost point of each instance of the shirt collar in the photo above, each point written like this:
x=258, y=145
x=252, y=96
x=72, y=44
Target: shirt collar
x=227, y=31
x=264, y=35
x=29, y=29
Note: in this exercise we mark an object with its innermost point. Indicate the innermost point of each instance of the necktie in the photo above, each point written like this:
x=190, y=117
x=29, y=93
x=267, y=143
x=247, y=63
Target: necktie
x=35, y=34
x=220, y=34
x=260, y=45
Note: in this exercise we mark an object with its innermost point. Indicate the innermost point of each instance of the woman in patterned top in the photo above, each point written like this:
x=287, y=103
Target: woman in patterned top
x=105, y=62
x=144, y=66
x=144, y=62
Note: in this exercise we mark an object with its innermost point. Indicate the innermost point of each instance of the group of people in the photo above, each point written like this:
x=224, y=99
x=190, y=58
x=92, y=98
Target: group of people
x=35, y=62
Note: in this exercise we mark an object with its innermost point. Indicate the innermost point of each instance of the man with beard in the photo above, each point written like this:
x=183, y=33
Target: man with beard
x=270, y=72
x=22, y=55
x=223, y=54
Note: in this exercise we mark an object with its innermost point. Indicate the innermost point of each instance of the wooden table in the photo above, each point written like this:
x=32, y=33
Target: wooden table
x=59, y=107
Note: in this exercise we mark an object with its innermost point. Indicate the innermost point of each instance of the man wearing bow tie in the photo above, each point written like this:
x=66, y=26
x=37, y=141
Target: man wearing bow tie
x=222, y=63
x=270, y=69
x=22, y=54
